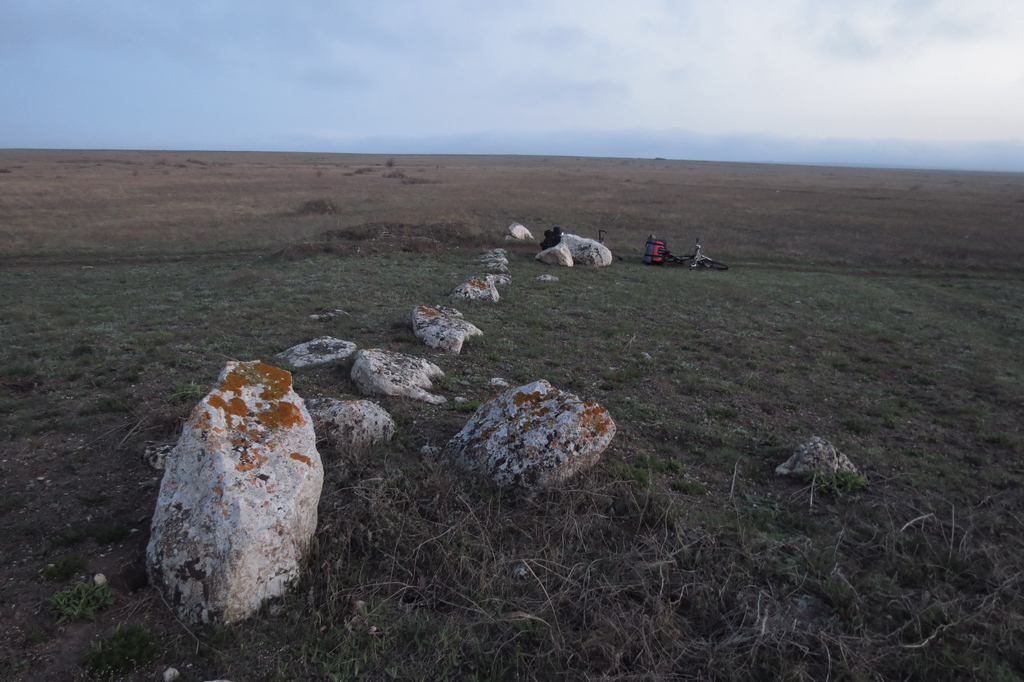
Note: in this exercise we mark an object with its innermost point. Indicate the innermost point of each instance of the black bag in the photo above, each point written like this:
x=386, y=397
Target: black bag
x=552, y=237
x=654, y=252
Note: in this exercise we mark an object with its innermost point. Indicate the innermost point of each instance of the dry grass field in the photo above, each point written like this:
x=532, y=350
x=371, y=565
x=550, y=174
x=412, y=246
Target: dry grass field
x=880, y=309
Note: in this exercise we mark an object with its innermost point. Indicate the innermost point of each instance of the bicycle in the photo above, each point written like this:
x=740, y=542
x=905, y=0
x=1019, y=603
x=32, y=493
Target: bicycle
x=695, y=259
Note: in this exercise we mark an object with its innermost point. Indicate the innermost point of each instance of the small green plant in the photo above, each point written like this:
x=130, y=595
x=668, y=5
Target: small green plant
x=10, y=503
x=186, y=393
x=629, y=473
x=105, y=533
x=123, y=650
x=690, y=487
x=468, y=406
x=83, y=600
x=63, y=568
x=68, y=537
x=834, y=484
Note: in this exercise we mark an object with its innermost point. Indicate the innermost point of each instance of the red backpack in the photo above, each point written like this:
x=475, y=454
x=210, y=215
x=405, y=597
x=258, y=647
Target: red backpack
x=654, y=253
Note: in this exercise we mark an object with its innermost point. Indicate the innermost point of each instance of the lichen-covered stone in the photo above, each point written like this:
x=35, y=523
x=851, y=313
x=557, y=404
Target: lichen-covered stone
x=350, y=424
x=382, y=372
x=534, y=436
x=318, y=351
x=499, y=280
x=495, y=259
x=519, y=232
x=816, y=455
x=546, y=278
x=238, y=501
x=587, y=251
x=558, y=254
x=478, y=289
x=442, y=328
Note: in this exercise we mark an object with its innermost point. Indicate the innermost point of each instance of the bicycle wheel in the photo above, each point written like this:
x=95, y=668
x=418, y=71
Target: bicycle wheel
x=715, y=265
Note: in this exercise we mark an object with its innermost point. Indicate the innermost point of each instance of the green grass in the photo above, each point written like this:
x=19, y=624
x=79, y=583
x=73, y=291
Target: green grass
x=127, y=648
x=654, y=563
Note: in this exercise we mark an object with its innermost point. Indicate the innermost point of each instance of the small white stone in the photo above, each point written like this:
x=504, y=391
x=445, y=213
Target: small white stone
x=171, y=674
x=99, y=579
x=498, y=382
x=460, y=399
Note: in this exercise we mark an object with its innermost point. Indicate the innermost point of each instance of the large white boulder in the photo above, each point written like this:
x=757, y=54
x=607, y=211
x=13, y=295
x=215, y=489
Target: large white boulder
x=558, y=254
x=518, y=231
x=479, y=289
x=442, y=328
x=816, y=455
x=350, y=424
x=533, y=436
x=318, y=351
x=382, y=372
x=587, y=251
x=238, y=501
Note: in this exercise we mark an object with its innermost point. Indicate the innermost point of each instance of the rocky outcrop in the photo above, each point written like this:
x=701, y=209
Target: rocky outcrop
x=238, y=501
x=495, y=259
x=476, y=290
x=519, y=232
x=350, y=424
x=534, y=436
x=816, y=455
x=442, y=328
x=318, y=351
x=558, y=254
x=587, y=251
x=381, y=372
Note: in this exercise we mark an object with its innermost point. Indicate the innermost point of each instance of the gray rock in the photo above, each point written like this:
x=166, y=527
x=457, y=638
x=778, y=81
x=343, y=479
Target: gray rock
x=476, y=290
x=318, y=351
x=381, y=372
x=519, y=232
x=238, y=501
x=350, y=424
x=442, y=328
x=546, y=278
x=587, y=251
x=534, y=436
x=558, y=254
x=816, y=455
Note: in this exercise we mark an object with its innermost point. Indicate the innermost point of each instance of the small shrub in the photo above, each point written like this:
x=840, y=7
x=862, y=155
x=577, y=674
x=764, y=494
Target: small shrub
x=106, y=533
x=68, y=537
x=389, y=163
x=839, y=482
x=395, y=175
x=629, y=473
x=64, y=568
x=123, y=650
x=468, y=406
x=690, y=487
x=187, y=393
x=83, y=600
x=319, y=207
x=10, y=503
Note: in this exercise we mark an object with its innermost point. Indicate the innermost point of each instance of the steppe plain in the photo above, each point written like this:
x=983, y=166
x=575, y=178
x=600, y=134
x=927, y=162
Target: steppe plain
x=879, y=309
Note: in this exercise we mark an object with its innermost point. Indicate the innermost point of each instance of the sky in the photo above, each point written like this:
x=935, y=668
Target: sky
x=919, y=83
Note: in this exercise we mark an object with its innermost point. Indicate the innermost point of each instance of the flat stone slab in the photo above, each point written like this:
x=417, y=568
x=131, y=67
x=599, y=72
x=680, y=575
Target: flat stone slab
x=382, y=372
x=318, y=351
x=442, y=328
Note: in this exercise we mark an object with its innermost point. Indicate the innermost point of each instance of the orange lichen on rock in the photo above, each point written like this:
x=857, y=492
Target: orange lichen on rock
x=301, y=458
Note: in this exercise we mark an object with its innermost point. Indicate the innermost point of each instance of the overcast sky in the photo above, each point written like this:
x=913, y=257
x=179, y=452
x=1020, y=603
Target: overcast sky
x=898, y=82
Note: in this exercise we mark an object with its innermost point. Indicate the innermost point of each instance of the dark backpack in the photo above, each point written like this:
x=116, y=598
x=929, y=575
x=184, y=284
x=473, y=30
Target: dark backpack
x=552, y=237
x=654, y=252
